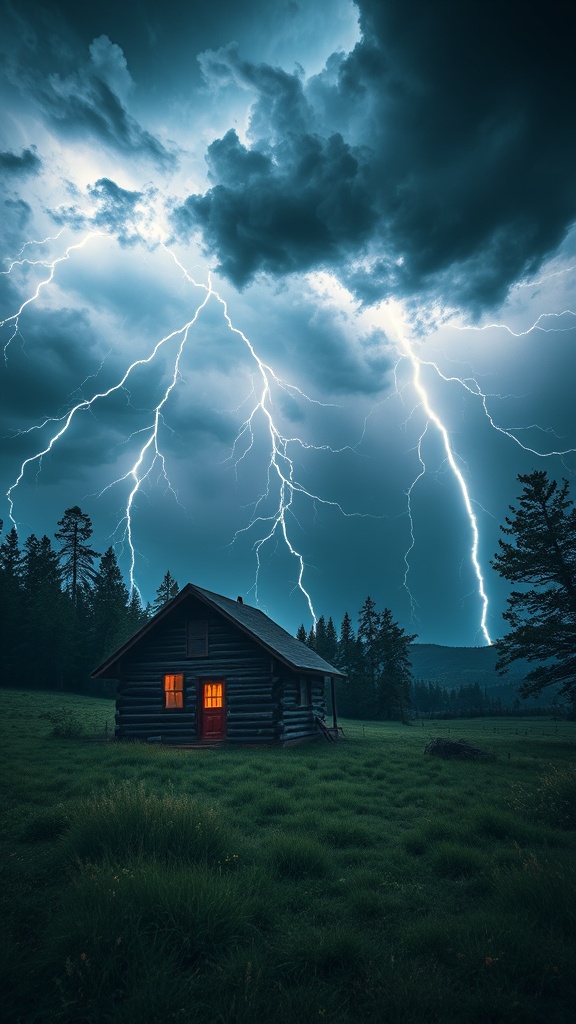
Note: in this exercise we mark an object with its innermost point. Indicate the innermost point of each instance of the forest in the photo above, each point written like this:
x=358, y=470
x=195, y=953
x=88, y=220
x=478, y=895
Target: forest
x=66, y=598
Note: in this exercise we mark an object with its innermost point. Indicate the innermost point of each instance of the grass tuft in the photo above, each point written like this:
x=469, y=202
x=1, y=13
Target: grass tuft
x=127, y=821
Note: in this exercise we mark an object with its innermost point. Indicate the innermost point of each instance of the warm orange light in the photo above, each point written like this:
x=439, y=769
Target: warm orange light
x=213, y=695
x=174, y=691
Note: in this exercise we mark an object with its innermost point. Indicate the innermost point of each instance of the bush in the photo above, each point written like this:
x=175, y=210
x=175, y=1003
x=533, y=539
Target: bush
x=65, y=723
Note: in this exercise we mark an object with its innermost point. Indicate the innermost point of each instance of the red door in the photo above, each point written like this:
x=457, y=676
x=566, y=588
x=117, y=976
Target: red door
x=212, y=709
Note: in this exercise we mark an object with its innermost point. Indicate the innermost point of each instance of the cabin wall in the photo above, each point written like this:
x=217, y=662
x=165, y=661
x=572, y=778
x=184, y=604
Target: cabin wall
x=252, y=695
x=302, y=701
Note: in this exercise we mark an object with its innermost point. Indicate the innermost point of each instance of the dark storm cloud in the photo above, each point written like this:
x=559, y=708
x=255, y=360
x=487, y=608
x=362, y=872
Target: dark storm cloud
x=20, y=166
x=82, y=92
x=293, y=200
x=88, y=100
x=445, y=160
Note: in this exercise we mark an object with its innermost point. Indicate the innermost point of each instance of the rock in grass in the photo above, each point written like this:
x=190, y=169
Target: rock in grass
x=441, y=747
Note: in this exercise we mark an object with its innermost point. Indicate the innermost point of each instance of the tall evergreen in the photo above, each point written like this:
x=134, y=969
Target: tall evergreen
x=11, y=600
x=301, y=634
x=76, y=557
x=137, y=616
x=166, y=591
x=369, y=637
x=110, y=621
x=395, y=668
x=540, y=556
x=47, y=618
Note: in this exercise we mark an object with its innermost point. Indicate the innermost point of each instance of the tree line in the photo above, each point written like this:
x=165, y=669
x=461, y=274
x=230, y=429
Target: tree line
x=375, y=658
x=537, y=554
x=64, y=607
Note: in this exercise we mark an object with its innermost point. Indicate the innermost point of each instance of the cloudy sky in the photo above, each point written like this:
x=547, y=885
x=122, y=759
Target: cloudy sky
x=287, y=291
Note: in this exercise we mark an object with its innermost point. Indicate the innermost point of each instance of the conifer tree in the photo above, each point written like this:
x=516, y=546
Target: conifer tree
x=540, y=556
x=110, y=621
x=369, y=636
x=11, y=625
x=47, y=619
x=395, y=669
x=76, y=557
x=166, y=591
x=301, y=633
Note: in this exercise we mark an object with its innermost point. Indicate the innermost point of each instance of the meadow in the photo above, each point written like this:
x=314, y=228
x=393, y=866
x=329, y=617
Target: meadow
x=363, y=881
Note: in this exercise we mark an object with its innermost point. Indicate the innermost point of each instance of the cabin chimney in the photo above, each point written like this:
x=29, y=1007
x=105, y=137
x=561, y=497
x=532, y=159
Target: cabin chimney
x=239, y=600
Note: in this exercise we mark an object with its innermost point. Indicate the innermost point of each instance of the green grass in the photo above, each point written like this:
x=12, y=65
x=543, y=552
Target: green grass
x=364, y=881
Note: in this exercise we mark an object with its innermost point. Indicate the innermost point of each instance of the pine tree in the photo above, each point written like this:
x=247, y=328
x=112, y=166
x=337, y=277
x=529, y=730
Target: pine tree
x=76, y=557
x=395, y=674
x=47, y=618
x=541, y=557
x=301, y=633
x=320, y=637
x=331, y=643
x=137, y=615
x=346, y=646
x=166, y=591
x=110, y=620
x=11, y=607
x=369, y=636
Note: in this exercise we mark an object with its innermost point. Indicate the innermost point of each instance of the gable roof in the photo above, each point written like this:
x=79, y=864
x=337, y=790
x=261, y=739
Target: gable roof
x=253, y=622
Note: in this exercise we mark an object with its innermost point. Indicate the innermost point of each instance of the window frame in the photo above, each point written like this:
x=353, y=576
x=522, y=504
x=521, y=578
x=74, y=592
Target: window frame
x=174, y=691
x=304, y=693
x=197, y=634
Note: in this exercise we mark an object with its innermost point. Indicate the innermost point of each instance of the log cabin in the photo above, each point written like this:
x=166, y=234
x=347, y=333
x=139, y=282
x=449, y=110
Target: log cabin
x=207, y=669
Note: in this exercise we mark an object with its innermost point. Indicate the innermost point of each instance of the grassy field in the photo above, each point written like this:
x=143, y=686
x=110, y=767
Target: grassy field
x=359, y=882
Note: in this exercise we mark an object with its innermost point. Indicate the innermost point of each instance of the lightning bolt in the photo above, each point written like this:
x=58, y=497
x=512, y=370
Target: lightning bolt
x=406, y=350
x=471, y=385
x=150, y=456
x=14, y=319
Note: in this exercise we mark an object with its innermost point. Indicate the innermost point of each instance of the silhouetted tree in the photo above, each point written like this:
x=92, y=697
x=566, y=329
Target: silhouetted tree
x=368, y=635
x=11, y=626
x=541, y=557
x=110, y=622
x=136, y=615
x=76, y=557
x=395, y=674
x=46, y=619
x=166, y=591
x=301, y=633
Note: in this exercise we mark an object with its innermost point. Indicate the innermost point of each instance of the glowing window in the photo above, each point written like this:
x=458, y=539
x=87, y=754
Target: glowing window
x=174, y=691
x=213, y=695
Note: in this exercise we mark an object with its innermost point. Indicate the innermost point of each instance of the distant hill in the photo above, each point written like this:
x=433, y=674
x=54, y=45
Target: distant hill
x=452, y=667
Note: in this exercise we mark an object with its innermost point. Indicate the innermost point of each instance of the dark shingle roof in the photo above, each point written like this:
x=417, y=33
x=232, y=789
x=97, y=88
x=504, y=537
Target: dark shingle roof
x=250, y=620
x=273, y=636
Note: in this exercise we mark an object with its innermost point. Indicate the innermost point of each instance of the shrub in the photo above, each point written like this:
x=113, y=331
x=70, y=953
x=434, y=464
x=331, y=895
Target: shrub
x=65, y=723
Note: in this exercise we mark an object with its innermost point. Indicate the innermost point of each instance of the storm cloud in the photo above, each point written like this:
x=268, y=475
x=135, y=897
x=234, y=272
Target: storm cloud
x=20, y=165
x=449, y=169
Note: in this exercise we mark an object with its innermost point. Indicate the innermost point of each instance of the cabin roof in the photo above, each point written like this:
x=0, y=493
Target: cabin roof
x=276, y=640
